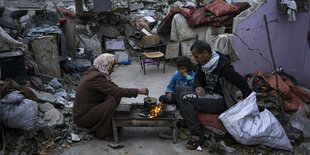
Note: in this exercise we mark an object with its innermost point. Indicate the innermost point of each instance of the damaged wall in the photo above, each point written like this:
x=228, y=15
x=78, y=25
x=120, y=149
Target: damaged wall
x=288, y=39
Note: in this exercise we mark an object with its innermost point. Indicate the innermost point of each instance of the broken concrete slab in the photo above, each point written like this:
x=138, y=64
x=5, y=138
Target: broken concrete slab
x=108, y=30
x=115, y=45
x=53, y=118
x=45, y=107
x=136, y=6
x=45, y=50
x=43, y=96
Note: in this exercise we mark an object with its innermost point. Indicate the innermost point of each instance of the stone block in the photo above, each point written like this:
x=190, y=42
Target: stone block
x=43, y=96
x=115, y=45
x=45, y=107
x=53, y=118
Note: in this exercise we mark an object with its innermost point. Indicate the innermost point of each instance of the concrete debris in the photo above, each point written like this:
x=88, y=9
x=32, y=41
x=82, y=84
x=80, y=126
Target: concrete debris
x=115, y=45
x=137, y=6
x=109, y=31
x=44, y=97
x=45, y=107
x=53, y=118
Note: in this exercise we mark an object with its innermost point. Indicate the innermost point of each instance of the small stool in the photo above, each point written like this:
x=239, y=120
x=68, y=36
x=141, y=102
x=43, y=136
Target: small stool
x=155, y=56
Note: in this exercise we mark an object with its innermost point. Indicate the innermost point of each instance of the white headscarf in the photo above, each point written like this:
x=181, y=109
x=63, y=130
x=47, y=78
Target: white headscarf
x=104, y=63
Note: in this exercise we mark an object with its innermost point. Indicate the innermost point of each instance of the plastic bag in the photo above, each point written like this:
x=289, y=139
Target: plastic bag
x=300, y=121
x=20, y=116
x=13, y=97
x=250, y=127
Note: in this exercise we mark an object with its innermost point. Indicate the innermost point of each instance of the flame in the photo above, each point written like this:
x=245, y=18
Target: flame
x=155, y=111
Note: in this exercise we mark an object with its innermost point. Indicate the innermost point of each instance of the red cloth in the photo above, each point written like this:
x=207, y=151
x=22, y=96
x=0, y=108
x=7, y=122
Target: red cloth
x=293, y=96
x=221, y=8
x=211, y=120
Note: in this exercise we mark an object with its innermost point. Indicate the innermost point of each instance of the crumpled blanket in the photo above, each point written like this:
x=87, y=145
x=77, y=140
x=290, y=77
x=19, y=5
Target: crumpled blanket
x=293, y=96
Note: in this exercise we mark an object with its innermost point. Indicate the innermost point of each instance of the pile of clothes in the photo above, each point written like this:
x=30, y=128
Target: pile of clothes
x=293, y=96
x=218, y=13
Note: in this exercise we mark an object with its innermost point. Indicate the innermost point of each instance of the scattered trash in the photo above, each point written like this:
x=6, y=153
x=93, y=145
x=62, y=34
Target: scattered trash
x=12, y=114
x=75, y=138
x=199, y=148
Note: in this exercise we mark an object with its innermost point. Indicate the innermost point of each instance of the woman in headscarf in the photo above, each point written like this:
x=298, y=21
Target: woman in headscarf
x=97, y=97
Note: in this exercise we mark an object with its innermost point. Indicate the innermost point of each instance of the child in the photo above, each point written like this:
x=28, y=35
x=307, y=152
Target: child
x=183, y=77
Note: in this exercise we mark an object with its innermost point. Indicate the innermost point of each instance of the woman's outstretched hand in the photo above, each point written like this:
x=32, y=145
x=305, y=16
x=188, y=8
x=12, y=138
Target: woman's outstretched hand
x=144, y=91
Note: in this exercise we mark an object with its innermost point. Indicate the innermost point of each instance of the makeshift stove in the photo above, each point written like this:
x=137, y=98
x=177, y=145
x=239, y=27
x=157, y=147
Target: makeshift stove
x=138, y=115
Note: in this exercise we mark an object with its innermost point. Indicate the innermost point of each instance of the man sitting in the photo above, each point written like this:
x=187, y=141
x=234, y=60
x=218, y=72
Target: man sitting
x=209, y=93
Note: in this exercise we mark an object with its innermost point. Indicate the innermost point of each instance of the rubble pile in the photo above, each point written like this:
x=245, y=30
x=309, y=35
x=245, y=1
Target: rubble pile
x=47, y=119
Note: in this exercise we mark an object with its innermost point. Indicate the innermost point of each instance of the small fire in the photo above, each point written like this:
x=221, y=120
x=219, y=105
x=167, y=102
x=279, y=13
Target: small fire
x=155, y=111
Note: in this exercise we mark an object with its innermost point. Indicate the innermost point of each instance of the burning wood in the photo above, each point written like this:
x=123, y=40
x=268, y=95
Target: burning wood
x=155, y=111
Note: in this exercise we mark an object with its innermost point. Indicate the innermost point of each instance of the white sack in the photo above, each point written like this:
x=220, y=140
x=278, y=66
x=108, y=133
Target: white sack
x=250, y=127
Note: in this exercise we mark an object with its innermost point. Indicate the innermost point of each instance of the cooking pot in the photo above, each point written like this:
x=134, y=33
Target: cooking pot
x=150, y=102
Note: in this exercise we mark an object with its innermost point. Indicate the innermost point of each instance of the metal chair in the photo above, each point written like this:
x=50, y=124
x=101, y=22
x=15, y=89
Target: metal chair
x=154, y=56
